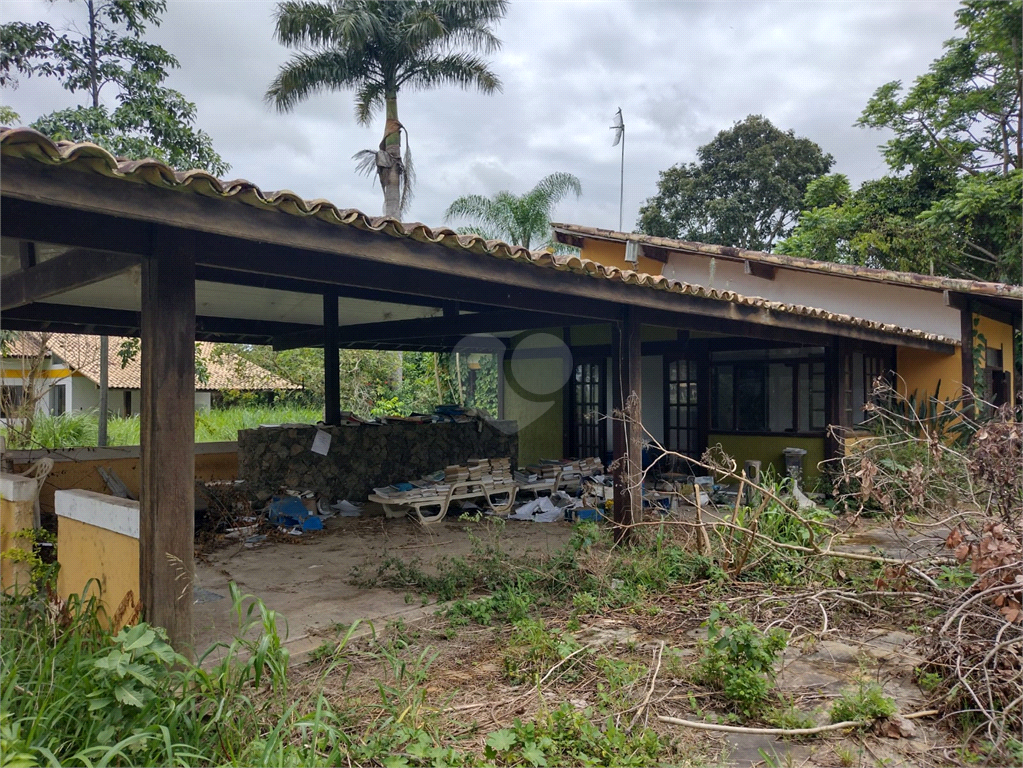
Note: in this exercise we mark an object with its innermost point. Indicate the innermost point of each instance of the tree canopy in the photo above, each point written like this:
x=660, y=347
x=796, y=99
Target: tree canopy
x=521, y=219
x=952, y=202
x=379, y=48
x=745, y=190
x=149, y=119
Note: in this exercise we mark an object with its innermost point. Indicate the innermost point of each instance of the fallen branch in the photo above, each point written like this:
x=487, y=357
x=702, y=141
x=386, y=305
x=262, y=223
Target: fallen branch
x=650, y=690
x=784, y=731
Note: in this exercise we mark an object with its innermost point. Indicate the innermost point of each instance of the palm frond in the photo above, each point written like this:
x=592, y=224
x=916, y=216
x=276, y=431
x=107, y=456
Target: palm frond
x=551, y=189
x=408, y=177
x=309, y=73
x=461, y=69
x=369, y=98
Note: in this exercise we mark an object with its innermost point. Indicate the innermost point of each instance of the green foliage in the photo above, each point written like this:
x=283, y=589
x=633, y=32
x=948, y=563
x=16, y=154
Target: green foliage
x=568, y=737
x=866, y=702
x=72, y=692
x=953, y=204
x=520, y=219
x=746, y=189
x=149, y=119
x=42, y=573
x=790, y=717
x=738, y=660
x=534, y=649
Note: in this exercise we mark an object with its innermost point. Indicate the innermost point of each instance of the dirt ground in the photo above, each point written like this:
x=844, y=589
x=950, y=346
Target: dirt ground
x=309, y=580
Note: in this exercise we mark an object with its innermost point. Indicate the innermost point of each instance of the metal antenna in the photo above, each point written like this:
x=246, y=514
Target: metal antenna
x=619, y=128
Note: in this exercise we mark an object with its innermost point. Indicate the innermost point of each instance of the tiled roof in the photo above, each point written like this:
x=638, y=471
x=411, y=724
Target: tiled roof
x=932, y=282
x=29, y=144
x=81, y=353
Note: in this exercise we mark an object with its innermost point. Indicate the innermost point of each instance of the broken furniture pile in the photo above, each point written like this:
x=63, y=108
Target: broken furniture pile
x=489, y=480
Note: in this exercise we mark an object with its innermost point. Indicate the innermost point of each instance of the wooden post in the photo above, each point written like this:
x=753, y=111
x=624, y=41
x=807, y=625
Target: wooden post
x=626, y=383
x=331, y=362
x=167, y=498
x=966, y=352
x=834, y=410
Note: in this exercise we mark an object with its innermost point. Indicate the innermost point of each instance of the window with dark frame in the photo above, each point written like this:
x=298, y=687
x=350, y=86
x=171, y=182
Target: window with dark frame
x=58, y=400
x=589, y=404
x=771, y=391
x=863, y=371
x=681, y=426
x=10, y=399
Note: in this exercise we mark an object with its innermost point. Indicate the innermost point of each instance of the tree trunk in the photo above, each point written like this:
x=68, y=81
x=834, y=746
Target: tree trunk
x=390, y=176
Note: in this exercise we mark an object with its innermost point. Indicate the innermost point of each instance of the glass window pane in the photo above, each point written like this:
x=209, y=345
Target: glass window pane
x=779, y=398
x=721, y=411
x=751, y=399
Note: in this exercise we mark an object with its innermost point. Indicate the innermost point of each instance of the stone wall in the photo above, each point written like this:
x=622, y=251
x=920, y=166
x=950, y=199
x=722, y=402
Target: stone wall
x=271, y=459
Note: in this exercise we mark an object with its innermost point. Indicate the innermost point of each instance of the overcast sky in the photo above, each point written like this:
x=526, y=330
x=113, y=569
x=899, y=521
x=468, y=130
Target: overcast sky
x=680, y=71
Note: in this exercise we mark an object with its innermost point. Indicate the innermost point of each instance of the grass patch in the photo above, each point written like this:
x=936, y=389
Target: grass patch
x=80, y=429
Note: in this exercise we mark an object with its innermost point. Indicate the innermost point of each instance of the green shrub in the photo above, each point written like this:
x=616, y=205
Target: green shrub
x=567, y=736
x=738, y=660
x=866, y=702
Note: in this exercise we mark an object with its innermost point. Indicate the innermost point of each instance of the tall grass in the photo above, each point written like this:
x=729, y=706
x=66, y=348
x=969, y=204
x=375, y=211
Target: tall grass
x=72, y=692
x=81, y=429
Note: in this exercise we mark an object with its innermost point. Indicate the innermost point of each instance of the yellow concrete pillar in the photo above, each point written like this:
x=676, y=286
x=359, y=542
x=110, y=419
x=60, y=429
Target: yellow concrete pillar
x=17, y=501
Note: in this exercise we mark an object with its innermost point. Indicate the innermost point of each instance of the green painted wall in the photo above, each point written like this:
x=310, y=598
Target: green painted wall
x=534, y=397
x=769, y=450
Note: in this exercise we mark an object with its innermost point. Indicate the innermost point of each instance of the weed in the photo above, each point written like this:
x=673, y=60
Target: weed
x=738, y=660
x=866, y=702
x=790, y=717
x=567, y=736
x=928, y=681
x=534, y=650
x=846, y=757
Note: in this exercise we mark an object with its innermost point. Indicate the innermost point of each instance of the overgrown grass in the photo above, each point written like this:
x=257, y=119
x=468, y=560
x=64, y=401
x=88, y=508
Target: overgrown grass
x=81, y=429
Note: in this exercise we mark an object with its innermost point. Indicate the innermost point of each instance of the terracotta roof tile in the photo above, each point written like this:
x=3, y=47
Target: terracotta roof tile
x=81, y=353
x=932, y=282
x=29, y=144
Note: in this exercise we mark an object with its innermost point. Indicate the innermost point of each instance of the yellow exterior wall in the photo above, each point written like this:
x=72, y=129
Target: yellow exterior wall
x=999, y=336
x=88, y=552
x=612, y=254
x=14, y=516
x=768, y=450
x=920, y=370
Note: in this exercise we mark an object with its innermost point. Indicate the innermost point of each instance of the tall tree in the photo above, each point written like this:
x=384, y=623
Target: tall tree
x=745, y=189
x=148, y=119
x=522, y=219
x=379, y=48
x=952, y=203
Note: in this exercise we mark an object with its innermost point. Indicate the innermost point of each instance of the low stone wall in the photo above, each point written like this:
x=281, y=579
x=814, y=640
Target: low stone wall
x=271, y=459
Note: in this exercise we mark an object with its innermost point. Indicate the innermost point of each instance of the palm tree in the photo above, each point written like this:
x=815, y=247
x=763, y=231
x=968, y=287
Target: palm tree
x=378, y=48
x=523, y=219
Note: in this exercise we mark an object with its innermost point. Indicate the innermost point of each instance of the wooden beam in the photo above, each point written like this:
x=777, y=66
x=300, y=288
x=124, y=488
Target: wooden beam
x=626, y=384
x=761, y=323
x=74, y=269
x=67, y=318
x=426, y=327
x=758, y=269
x=167, y=498
x=655, y=253
x=331, y=361
x=967, y=335
x=26, y=254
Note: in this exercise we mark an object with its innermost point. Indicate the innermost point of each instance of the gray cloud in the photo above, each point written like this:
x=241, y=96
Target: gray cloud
x=681, y=71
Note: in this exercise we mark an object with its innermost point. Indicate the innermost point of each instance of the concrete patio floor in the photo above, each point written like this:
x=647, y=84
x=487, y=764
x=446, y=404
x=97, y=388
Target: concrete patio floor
x=308, y=579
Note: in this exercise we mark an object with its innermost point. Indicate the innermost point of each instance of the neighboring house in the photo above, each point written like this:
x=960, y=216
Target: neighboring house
x=68, y=375
x=772, y=389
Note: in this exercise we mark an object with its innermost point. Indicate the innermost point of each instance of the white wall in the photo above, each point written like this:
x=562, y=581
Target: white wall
x=902, y=305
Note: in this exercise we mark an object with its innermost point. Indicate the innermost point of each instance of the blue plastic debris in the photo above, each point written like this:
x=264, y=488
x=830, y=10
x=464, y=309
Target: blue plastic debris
x=312, y=523
x=287, y=511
